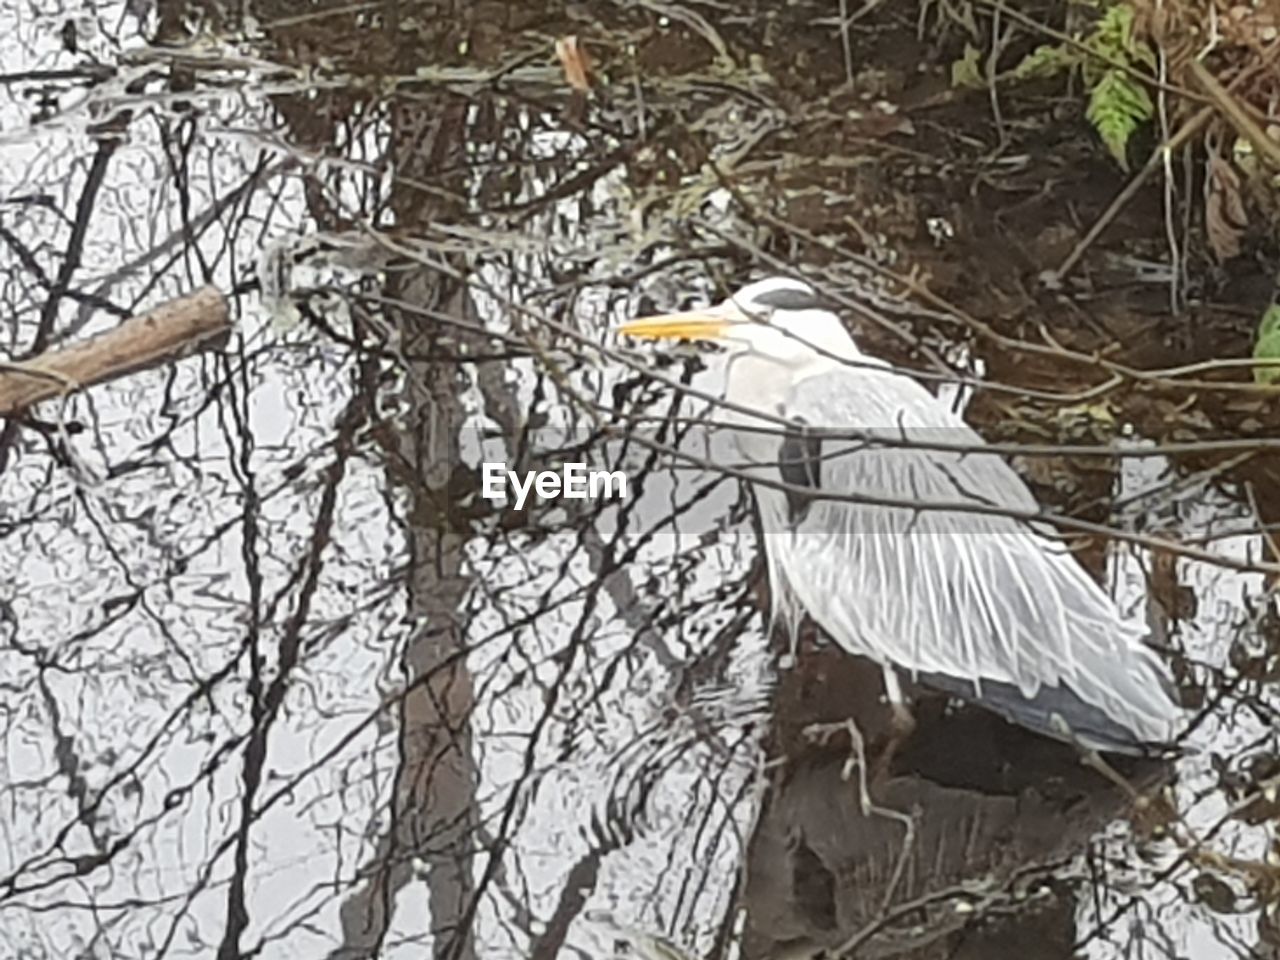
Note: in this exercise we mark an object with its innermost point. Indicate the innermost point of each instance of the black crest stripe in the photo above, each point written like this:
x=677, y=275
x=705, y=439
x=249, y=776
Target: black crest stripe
x=787, y=298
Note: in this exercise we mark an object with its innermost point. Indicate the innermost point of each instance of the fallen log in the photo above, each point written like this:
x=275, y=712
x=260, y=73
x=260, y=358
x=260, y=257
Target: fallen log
x=172, y=330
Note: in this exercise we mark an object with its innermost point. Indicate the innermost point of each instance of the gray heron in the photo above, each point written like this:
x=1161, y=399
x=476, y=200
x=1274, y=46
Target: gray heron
x=977, y=603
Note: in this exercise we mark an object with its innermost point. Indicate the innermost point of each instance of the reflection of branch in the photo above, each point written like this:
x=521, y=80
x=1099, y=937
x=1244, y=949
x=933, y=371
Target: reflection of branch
x=72, y=766
x=95, y=72
x=1193, y=845
x=193, y=227
x=267, y=689
x=70, y=263
x=165, y=333
x=578, y=886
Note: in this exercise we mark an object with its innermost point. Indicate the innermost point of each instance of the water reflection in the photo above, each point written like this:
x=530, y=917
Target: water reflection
x=1000, y=823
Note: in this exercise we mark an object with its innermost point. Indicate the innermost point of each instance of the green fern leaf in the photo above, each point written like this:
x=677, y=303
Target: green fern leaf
x=1113, y=41
x=1044, y=61
x=1117, y=107
x=1267, y=346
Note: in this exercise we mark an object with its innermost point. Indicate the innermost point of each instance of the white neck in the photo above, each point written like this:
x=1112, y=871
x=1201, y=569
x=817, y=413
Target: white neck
x=767, y=360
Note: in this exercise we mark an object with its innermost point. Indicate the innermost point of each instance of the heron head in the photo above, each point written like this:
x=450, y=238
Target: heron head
x=779, y=318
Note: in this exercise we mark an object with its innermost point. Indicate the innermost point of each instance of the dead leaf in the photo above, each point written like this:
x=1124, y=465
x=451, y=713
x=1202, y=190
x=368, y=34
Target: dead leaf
x=576, y=63
x=1225, y=217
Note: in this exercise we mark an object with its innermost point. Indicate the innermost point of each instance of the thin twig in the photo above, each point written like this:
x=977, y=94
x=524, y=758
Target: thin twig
x=1154, y=163
x=844, y=42
x=1236, y=114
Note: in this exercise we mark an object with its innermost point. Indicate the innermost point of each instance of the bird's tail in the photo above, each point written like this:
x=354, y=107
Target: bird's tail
x=1054, y=711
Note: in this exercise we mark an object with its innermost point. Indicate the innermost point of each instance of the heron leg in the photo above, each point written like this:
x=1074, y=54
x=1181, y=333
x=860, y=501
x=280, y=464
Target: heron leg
x=902, y=724
x=788, y=660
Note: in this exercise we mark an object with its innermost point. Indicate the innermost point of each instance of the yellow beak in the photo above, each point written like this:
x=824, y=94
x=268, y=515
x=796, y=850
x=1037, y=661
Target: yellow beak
x=709, y=323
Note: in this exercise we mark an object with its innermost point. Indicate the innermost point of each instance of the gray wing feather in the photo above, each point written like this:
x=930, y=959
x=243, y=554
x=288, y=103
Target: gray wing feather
x=978, y=597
